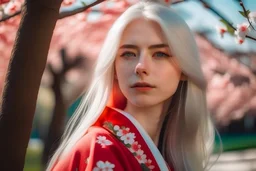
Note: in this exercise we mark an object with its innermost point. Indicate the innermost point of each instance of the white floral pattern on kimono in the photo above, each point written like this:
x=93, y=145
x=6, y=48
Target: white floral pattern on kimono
x=104, y=166
x=128, y=139
x=103, y=141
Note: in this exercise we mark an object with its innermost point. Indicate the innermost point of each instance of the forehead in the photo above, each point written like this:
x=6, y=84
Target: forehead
x=143, y=32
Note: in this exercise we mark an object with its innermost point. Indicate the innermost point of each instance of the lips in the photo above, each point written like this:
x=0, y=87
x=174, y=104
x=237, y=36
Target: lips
x=142, y=84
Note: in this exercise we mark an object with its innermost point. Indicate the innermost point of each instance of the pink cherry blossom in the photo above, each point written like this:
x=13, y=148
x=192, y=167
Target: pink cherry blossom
x=224, y=104
x=85, y=38
x=12, y=7
x=68, y=2
x=243, y=27
x=252, y=17
x=239, y=40
x=241, y=32
x=221, y=30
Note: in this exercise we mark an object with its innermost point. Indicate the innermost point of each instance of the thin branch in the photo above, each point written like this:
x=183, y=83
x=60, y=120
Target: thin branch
x=245, y=12
x=177, y=2
x=73, y=12
x=7, y=17
x=78, y=10
x=62, y=14
x=249, y=37
x=215, y=11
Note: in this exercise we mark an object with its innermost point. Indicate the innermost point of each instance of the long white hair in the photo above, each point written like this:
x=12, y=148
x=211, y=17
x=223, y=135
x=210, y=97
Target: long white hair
x=187, y=134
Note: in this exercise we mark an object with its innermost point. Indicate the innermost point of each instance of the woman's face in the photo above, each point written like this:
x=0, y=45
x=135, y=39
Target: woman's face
x=146, y=70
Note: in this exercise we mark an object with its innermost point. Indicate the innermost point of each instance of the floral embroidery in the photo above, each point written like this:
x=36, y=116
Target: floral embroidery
x=148, y=164
x=141, y=157
x=135, y=147
x=122, y=131
x=104, y=166
x=128, y=139
x=103, y=141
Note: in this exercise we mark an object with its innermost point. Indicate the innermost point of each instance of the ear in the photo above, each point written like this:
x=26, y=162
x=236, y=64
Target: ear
x=183, y=77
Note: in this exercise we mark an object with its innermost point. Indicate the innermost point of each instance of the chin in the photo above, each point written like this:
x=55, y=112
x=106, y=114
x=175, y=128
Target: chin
x=143, y=103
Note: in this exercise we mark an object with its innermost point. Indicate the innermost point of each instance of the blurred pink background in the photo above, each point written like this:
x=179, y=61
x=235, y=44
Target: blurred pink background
x=231, y=85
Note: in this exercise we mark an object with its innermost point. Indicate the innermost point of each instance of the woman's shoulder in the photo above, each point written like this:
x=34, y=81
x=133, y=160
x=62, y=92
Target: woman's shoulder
x=99, y=148
x=96, y=137
x=96, y=149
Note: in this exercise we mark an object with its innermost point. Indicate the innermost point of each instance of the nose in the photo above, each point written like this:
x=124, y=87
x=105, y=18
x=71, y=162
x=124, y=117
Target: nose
x=140, y=70
x=142, y=66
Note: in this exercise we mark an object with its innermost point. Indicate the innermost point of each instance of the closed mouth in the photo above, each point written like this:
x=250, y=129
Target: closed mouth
x=142, y=84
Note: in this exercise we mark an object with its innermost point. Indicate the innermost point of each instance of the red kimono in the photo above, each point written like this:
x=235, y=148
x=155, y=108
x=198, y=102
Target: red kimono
x=116, y=142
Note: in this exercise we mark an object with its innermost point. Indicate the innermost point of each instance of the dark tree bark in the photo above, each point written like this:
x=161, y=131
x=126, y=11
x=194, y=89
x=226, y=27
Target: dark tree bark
x=59, y=116
x=56, y=126
x=22, y=83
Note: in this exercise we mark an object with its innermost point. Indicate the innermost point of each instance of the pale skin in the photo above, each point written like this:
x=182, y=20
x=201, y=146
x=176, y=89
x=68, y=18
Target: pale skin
x=144, y=56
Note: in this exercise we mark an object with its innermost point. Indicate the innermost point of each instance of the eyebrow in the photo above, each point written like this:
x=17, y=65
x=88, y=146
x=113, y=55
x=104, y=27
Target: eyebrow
x=130, y=46
x=158, y=46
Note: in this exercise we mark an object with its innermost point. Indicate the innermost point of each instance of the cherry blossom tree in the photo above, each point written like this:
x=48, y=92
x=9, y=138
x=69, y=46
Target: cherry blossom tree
x=78, y=35
x=231, y=85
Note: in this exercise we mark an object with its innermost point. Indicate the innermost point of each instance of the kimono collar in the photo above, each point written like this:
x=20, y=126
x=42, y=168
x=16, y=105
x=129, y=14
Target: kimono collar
x=128, y=130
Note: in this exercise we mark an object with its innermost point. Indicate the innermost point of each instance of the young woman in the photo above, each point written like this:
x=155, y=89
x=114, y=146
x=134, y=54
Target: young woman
x=146, y=107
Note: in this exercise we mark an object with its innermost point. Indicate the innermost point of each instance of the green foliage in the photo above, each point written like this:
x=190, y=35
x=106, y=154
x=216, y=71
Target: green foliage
x=144, y=167
x=245, y=14
x=33, y=160
x=84, y=4
x=128, y=145
x=229, y=28
x=109, y=125
x=232, y=142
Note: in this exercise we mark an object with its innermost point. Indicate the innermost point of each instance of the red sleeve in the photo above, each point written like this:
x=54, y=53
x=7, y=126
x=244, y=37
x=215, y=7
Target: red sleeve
x=95, y=151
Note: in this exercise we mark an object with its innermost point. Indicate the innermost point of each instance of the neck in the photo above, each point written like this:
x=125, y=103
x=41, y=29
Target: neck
x=151, y=118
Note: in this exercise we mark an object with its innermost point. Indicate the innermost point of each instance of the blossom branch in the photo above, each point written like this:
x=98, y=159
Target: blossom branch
x=206, y=5
x=62, y=14
x=78, y=10
x=7, y=17
x=70, y=13
x=177, y=2
x=216, y=12
x=246, y=14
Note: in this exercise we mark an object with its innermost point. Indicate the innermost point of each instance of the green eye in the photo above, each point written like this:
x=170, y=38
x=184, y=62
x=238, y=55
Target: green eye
x=160, y=55
x=128, y=54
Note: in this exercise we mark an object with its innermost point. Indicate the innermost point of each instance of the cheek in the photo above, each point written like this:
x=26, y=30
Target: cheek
x=123, y=70
x=121, y=75
x=170, y=79
x=169, y=72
